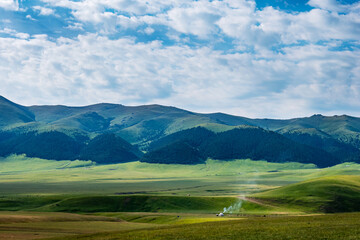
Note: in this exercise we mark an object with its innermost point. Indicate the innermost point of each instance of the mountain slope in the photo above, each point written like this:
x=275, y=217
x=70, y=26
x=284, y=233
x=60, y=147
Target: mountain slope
x=104, y=149
x=12, y=113
x=194, y=137
x=48, y=145
x=109, y=148
x=340, y=150
x=175, y=153
x=338, y=136
x=239, y=143
x=256, y=143
x=343, y=128
x=88, y=121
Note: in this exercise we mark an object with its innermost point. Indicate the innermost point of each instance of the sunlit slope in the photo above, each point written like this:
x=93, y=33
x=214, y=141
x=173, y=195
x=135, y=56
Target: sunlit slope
x=343, y=128
x=326, y=194
x=138, y=124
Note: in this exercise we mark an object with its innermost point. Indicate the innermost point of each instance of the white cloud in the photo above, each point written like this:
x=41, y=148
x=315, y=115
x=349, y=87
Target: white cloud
x=333, y=5
x=238, y=19
x=14, y=33
x=270, y=26
x=9, y=5
x=44, y=11
x=149, y=30
x=198, y=19
x=6, y=21
x=75, y=26
x=30, y=17
x=128, y=22
x=277, y=63
x=94, y=69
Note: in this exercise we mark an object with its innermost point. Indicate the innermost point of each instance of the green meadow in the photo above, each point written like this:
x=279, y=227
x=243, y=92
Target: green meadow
x=46, y=199
x=331, y=227
x=22, y=175
x=106, y=226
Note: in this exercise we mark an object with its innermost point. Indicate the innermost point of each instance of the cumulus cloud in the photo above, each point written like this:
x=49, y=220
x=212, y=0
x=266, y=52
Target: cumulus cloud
x=149, y=30
x=9, y=4
x=198, y=19
x=93, y=69
x=333, y=5
x=75, y=26
x=30, y=17
x=14, y=33
x=239, y=19
x=44, y=11
x=227, y=56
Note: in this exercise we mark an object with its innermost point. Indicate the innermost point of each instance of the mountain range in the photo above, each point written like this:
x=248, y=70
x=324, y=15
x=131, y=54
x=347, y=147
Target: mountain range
x=113, y=133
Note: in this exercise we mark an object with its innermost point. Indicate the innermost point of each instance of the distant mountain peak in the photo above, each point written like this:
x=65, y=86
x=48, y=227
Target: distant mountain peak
x=317, y=115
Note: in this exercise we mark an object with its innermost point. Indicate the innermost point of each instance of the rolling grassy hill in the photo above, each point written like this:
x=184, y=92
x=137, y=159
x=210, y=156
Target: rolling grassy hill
x=326, y=194
x=336, y=137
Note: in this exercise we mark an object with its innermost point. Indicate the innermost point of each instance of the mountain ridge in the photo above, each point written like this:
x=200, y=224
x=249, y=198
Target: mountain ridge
x=142, y=125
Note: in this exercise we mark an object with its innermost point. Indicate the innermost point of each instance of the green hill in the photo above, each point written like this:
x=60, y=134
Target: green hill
x=238, y=143
x=88, y=121
x=175, y=153
x=337, y=136
x=311, y=137
x=194, y=137
x=49, y=145
x=258, y=144
x=105, y=148
x=343, y=128
x=109, y=148
x=11, y=113
x=326, y=194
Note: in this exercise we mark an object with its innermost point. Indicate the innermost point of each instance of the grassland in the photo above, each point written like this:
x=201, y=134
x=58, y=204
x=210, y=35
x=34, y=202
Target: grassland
x=336, y=227
x=106, y=226
x=38, y=225
x=22, y=175
x=157, y=201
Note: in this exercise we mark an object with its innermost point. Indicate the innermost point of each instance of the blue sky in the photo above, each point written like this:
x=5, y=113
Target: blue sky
x=276, y=59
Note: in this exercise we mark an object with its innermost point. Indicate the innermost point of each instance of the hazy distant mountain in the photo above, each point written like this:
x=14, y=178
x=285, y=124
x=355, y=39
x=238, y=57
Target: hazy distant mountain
x=146, y=126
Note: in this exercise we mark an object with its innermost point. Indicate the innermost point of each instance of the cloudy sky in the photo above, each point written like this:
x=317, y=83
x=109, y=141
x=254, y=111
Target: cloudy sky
x=255, y=58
